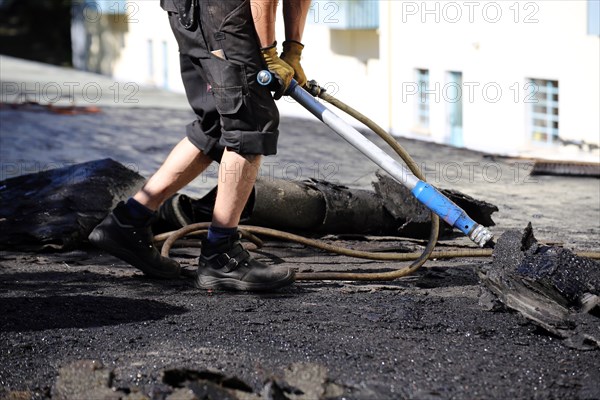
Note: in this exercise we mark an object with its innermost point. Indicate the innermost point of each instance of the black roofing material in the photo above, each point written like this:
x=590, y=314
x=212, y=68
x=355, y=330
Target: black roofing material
x=549, y=285
x=58, y=208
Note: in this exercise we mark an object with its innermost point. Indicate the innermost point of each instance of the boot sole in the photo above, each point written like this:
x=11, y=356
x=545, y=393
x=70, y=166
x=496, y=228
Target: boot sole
x=208, y=282
x=98, y=239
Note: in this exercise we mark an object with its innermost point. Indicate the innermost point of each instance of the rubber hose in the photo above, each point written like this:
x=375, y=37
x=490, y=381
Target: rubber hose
x=418, y=258
x=410, y=163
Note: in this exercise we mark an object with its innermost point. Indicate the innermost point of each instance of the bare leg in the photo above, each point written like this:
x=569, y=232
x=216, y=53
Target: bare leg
x=237, y=175
x=132, y=243
x=225, y=264
x=184, y=164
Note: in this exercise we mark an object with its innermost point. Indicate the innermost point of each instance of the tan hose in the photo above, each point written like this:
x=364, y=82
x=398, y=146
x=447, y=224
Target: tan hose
x=389, y=139
x=418, y=258
x=410, y=163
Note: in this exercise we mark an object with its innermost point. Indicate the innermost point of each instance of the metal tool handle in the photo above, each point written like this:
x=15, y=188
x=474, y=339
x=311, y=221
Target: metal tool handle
x=427, y=194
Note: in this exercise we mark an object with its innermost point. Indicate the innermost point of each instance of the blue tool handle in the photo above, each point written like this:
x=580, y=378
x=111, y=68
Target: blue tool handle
x=444, y=207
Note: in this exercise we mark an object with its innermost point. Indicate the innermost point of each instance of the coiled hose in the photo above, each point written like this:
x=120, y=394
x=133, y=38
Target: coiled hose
x=418, y=259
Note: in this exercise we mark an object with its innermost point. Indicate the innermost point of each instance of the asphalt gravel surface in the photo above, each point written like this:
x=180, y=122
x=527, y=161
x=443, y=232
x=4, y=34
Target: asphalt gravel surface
x=421, y=337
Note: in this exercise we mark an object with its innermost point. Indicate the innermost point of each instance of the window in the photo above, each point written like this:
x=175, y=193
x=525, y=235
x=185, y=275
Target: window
x=422, y=108
x=165, y=56
x=543, y=110
x=454, y=107
x=150, y=47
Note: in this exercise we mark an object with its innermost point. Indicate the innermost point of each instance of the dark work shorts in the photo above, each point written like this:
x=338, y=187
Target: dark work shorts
x=233, y=111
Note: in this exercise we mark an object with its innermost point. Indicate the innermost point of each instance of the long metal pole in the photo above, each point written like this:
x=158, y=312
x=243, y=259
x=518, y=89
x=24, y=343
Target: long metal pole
x=427, y=194
x=355, y=138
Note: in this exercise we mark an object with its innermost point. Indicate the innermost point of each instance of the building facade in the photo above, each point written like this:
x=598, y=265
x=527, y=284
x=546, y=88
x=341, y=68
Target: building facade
x=498, y=76
x=505, y=77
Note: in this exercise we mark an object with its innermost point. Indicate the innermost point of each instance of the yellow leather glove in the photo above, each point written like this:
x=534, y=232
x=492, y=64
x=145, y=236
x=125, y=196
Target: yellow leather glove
x=292, y=51
x=282, y=71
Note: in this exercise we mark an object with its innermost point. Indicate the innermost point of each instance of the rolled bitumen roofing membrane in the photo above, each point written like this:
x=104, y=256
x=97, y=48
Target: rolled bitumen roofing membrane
x=59, y=207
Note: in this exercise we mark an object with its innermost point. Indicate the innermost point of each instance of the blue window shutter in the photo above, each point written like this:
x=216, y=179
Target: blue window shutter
x=108, y=6
x=345, y=14
x=594, y=17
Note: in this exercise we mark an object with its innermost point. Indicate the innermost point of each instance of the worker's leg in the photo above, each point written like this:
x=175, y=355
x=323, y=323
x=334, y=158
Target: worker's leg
x=184, y=164
x=249, y=121
x=224, y=263
x=126, y=232
x=237, y=175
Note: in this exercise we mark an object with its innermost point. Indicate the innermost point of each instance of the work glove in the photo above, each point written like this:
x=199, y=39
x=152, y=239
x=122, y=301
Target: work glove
x=282, y=71
x=292, y=51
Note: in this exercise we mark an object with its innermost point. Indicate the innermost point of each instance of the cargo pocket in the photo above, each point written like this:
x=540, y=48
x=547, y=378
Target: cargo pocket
x=228, y=100
x=228, y=84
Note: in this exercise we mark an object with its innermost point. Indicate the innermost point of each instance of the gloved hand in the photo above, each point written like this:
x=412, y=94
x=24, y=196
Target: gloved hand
x=282, y=71
x=292, y=51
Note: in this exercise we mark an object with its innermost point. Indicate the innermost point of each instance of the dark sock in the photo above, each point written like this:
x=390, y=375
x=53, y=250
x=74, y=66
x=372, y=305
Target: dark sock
x=217, y=234
x=135, y=213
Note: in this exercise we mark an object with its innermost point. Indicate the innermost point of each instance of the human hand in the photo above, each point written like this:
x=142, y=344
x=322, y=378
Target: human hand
x=282, y=70
x=292, y=51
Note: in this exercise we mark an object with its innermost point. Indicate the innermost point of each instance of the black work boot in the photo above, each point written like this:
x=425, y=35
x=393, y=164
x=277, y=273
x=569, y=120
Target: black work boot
x=133, y=245
x=229, y=266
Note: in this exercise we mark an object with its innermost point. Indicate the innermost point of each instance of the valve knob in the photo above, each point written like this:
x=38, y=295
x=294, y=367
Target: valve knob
x=264, y=77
